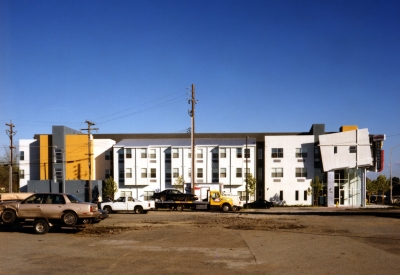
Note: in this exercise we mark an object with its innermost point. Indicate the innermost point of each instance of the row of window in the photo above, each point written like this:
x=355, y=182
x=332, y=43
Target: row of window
x=278, y=153
x=175, y=153
x=278, y=172
x=175, y=173
x=296, y=195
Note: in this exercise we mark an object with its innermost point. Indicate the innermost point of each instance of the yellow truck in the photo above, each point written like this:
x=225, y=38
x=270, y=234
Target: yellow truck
x=214, y=201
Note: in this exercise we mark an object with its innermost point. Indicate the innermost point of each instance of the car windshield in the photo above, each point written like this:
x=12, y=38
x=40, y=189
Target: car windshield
x=73, y=199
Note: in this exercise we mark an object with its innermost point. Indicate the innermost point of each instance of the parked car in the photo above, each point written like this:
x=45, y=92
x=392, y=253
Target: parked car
x=259, y=204
x=377, y=198
x=174, y=195
x=48, y=209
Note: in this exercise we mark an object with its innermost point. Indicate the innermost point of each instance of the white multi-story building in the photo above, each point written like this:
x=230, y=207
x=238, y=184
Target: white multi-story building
x=142, y=166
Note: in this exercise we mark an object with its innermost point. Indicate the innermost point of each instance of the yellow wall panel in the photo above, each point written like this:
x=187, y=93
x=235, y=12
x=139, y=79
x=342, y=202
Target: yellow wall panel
x=347, y=128
x=76, y=156
x=46, y=166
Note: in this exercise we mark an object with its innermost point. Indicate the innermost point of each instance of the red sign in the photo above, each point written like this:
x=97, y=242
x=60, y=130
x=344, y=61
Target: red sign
x=380, y=161
x=379, y=137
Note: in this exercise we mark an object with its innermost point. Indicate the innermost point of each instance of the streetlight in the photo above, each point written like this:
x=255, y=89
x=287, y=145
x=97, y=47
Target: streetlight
x=391, y=180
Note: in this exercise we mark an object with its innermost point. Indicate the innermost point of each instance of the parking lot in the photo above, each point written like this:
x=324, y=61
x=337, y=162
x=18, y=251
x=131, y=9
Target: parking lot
x=275, y=241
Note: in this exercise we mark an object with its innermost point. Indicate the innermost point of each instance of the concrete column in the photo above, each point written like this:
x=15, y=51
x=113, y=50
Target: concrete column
x=331, y=189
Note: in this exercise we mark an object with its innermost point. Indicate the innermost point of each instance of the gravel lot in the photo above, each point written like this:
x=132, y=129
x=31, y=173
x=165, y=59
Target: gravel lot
x=246, y=242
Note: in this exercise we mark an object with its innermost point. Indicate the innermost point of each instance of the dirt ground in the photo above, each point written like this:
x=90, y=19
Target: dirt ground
x=171, y=242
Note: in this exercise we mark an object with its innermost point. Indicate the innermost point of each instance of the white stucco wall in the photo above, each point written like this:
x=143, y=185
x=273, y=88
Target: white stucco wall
x=343, y=158
x=31, y=162
x=289, y=183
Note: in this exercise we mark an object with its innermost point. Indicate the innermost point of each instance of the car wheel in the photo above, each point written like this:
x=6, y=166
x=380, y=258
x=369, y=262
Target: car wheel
x=235, y=208
x=108, y=209
x=163, y=198
x=180, y=207
x=8, y=216
x=225, y=208
x=40, y=226
x=187, y=199
x=69, y=218
x=138, y=210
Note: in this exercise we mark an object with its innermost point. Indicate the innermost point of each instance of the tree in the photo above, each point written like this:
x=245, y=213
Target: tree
x=382, y=184
x=109, y=188
x=371, y=187
x=251, y=184
x=315, y=188
x=180, y=182
x=5, y=171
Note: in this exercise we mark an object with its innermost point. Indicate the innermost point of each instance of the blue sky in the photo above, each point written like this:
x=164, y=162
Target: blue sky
x=258, y=66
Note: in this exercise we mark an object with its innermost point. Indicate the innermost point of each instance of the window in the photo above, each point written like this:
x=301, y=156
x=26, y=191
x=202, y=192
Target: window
x=129, y=172
x=21, y=155
x=58, y=155
x=277, y=172
x=353, y=149
x=277, y=153
x=189, y=172
x=200, y=173
x=143, y=153
x=58, y=174
x=242, y=195
x=215, y=175
x=121, y=174
x=175, y=172
x=143, y=173
x=296, y=195
x=107, y=174
x=128, y=153
x=121, y=157
x=260, y=154
x=152, y=153
x=153, y=173
x=247, y=153
x=247, y=172
x=222, y=153
x=190, y=155
x=199, y=153
x=223, y=173
x=148, y=195
x=305, y=195
x=239, y=152
x=175, y=153
x=107, y=155
x=215, y=153
x=301, y=172
x=281, y=195
x=126, y=193
x=335, y=149
x=168, y=173
x=21, y=174
x=238, y=172
x=301, y=152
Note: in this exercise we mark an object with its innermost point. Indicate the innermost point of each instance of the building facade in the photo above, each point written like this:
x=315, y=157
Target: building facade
x=283, y=164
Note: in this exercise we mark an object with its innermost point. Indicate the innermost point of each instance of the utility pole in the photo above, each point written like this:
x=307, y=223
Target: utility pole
x=192, y=101
x=90, y=124
x=10, y=133
x=247, y=174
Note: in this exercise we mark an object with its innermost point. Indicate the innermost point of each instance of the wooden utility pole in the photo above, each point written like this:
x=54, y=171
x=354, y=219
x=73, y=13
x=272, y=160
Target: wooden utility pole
x=89, y=123
x=10, y=133
x=192, y=101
